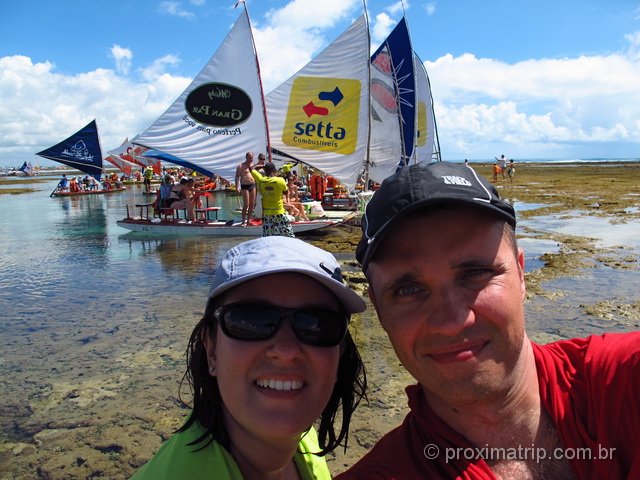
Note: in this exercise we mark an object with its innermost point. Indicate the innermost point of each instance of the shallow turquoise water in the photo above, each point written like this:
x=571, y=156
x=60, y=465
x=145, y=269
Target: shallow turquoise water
x=85, y=305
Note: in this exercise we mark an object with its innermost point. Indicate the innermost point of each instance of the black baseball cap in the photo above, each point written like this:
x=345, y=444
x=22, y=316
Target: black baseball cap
x=418, y=186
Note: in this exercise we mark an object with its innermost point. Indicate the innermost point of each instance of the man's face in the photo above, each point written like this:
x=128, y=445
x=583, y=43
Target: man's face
x=448, y=289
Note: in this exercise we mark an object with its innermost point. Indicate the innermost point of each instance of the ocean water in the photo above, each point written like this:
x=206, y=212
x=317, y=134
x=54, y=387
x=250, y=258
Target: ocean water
x=86, y=306
x=576, y=161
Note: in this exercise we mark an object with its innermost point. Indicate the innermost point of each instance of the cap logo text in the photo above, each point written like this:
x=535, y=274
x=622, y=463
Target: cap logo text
x=454, y=180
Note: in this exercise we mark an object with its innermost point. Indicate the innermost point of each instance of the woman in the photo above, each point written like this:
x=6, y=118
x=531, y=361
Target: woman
x=180, y=196
x=264, y=365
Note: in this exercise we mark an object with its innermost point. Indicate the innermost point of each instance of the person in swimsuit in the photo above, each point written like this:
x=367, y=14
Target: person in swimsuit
x=246, y=185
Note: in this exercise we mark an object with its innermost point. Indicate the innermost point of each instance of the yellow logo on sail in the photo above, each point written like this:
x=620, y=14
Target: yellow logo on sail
x=421, y=137
x=323, y=115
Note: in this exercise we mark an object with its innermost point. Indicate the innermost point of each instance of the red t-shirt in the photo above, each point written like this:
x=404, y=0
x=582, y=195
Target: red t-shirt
x=590, y=388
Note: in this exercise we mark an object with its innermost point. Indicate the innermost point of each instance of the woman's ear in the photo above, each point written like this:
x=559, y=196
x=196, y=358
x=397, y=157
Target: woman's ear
x=209, y=342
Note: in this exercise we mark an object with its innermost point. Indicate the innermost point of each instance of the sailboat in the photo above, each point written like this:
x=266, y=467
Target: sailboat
x=81, y=151
x=129, y=155
x=393, y=95
x=222, y=114
x=28, y=170
x=427, y=144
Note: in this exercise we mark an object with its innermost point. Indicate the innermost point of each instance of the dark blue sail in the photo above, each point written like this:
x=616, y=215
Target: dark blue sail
x=396, y=55
x=165, y=157
x=81, y=151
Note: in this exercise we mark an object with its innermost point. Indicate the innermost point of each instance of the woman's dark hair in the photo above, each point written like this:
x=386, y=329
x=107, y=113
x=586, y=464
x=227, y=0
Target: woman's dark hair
x=349, y=389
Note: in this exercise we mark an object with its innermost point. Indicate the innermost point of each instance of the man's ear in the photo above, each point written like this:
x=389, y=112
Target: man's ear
x=209, y=342
x=523, y=285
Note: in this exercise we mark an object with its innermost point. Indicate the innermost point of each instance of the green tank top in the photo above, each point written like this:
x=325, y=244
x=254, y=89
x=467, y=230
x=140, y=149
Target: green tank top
x=177, y=460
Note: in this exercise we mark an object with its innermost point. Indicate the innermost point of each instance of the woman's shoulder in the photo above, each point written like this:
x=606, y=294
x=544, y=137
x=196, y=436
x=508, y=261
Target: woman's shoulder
x=180, y=458
x=311, y=466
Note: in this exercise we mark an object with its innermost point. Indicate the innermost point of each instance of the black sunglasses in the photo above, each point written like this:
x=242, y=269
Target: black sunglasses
x=318, y=327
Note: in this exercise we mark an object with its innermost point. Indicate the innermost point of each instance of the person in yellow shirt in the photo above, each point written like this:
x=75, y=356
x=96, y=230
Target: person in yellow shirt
x=272, y=188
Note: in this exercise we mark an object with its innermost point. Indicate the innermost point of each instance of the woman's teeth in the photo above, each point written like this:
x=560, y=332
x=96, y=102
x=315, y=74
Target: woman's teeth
x=280, y=384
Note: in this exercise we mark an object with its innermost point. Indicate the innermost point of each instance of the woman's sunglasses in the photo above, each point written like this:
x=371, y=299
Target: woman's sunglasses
x=318, y=327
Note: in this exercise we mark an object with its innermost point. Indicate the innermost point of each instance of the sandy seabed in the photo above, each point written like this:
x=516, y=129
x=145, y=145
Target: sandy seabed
x=106, y=419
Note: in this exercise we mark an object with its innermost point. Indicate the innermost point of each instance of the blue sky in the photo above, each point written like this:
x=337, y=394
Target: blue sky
x=550, y=79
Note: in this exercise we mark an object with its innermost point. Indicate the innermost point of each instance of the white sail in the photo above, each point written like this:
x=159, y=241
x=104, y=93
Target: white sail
x=425, y=144
x=124, y=165
x=133, y=154
x=321, y=114
x=220, y=116
x=385, y=150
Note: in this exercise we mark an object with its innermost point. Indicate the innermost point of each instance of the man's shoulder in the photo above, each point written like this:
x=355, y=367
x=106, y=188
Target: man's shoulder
x=607, y=347
x=382, y=460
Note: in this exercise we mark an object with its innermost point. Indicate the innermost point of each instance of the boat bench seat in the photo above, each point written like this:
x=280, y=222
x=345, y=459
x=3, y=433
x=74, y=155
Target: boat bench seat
x=144, y=209
x=173, y=213
x=203, y=214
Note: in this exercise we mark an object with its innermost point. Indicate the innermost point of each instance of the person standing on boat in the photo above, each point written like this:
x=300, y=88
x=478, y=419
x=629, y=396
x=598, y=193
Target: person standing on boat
x=246, y=185
x=273, y=188
x=148, y=175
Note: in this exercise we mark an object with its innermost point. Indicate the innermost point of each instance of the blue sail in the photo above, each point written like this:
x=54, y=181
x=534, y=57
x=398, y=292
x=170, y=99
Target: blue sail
x=166, y=157
x=397, y=47
x=81, y=151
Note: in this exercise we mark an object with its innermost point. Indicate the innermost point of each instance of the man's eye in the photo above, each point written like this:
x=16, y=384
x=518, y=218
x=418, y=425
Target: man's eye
x=477, y=277
x=406, y=290
x=477, y=272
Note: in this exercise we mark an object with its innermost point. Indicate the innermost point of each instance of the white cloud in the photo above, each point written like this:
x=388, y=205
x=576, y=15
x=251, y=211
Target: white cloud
x=430, y=8
x=535, y=103
x=633, y=51
x=175, y=9
x=539, y=107
x=397, y=8
x=45, y=105
x=157, y=68
x=122, y=57
x=381, y=28
x=303, y=24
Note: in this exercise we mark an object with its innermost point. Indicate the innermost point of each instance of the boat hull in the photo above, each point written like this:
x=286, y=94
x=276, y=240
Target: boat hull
x=218, y=229
x=89, y=192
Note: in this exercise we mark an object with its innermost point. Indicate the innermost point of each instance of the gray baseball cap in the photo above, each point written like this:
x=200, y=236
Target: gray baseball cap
x=267, y=255
x=419, y=185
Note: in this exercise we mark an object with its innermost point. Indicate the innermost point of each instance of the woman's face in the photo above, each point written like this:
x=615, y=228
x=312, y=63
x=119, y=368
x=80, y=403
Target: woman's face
x=274, y=389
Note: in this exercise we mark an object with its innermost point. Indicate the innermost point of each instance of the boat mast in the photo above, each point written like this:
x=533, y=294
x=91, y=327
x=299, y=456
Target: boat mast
x=264, y=105
x=367, y=161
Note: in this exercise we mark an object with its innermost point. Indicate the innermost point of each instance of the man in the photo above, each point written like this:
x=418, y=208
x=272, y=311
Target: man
x=63, y=183
x=147, y=176
x=246, y=185
x=273, y=188
x=447, y=281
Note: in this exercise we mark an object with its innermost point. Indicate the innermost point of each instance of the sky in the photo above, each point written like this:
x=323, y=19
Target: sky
x=547, y=79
